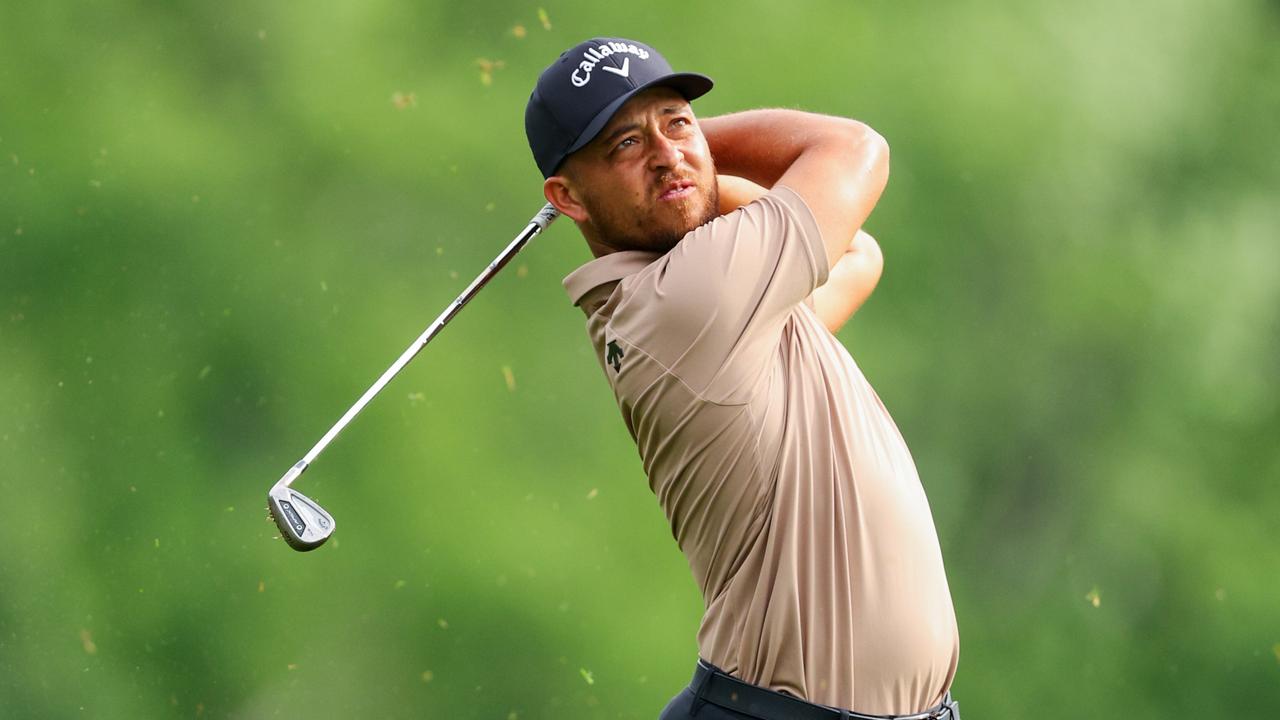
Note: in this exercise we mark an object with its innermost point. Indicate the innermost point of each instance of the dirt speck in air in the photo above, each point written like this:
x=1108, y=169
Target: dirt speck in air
x=86, y=641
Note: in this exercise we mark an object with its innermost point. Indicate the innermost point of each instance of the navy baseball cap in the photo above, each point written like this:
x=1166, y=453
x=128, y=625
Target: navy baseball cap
x=578, y=93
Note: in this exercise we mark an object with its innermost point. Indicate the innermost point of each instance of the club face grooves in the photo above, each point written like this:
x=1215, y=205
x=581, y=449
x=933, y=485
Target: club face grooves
x=303, y=524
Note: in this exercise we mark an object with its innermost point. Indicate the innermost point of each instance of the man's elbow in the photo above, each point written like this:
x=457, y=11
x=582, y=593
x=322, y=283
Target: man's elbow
x=864, y=142
x=864, y=166
x=875, y=148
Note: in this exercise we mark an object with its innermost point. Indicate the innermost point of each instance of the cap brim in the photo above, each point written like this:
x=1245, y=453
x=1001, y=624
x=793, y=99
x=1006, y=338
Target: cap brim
x=690, y=85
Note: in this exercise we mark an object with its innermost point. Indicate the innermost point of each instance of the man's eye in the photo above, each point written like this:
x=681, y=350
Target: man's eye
x=627, y=142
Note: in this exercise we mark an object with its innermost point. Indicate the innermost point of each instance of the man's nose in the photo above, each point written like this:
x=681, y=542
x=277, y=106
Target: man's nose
x=665, y=152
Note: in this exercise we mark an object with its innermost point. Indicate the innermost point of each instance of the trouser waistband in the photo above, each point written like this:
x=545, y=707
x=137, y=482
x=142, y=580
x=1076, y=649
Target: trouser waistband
x=713, y=685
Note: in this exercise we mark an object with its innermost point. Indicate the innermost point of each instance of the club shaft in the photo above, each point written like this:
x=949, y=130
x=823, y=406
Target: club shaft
x=539, y=223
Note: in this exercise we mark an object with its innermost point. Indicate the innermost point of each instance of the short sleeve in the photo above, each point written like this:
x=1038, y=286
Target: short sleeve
x=712, y=310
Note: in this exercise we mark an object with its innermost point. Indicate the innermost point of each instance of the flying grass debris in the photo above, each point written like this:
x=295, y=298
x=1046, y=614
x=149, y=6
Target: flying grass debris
x=86, y=640
x=542, y=18
x=586, y=675
x=402, y=100
x=1094, y=598
x=487, y=68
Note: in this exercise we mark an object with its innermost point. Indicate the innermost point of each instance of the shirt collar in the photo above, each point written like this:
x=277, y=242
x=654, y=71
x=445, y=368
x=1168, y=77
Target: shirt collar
x=605, y=270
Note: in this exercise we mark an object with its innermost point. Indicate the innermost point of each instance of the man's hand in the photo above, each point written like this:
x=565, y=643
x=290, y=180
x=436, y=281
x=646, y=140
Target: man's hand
x=853, y=276
x=839, y=166
x=736, y=192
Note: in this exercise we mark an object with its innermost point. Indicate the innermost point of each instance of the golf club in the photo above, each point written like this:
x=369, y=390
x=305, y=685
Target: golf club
x=302, y=522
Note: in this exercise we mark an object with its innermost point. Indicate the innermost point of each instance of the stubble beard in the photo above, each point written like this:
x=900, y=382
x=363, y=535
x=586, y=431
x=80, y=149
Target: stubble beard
x=643, y=231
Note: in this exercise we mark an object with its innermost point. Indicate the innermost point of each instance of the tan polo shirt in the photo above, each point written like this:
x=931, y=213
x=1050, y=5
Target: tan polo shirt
x=786, y=483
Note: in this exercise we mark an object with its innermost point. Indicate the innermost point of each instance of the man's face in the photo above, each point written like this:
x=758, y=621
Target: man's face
x=648, y=178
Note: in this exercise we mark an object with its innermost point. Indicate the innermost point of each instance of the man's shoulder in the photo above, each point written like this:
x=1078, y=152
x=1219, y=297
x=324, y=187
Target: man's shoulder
x=775, y=223
x=606, y=270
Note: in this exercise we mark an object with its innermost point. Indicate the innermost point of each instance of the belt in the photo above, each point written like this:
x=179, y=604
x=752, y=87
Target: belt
x=713, y=685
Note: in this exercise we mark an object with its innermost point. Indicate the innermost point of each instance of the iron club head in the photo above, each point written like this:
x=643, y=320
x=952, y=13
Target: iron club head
x=302, y=522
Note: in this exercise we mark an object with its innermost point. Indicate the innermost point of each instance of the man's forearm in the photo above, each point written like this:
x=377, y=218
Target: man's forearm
x=761, y=145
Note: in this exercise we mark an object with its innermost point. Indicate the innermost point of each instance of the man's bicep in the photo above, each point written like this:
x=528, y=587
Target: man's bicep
x=841, y=180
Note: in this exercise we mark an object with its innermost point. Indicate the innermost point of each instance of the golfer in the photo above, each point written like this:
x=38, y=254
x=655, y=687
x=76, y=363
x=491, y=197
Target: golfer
x=711, y=304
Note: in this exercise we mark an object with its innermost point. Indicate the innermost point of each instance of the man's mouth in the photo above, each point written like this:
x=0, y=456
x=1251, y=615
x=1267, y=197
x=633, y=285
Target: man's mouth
x=677, y=190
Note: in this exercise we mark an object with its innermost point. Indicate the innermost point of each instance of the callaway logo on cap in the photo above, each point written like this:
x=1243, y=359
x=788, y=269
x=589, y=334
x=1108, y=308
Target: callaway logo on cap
x=596, y=55
x=577, y=95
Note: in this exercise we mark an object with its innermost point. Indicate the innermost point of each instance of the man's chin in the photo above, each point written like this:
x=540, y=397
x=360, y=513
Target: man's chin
x=666, y=226
x=693, y=214
x=687, y=222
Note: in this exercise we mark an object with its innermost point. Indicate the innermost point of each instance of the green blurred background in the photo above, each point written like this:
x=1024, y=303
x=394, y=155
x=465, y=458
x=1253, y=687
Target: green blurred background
x=219, y=222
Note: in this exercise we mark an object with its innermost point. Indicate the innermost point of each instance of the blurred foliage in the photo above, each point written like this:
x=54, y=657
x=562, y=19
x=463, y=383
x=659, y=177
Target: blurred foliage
x=220, y=221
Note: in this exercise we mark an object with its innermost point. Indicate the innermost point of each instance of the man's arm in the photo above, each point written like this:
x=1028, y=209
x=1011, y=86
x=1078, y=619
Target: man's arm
x=853, y=277
x=838, y=166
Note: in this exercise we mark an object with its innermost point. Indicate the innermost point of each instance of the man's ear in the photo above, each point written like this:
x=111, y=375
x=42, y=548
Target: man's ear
x=559, y=191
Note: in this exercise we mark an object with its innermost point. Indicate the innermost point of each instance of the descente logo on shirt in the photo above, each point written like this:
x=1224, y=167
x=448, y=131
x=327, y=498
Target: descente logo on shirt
x=614, y=355
x=594, y=56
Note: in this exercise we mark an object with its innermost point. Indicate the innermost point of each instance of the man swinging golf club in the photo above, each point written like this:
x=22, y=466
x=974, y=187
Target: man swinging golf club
x=786, y=483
